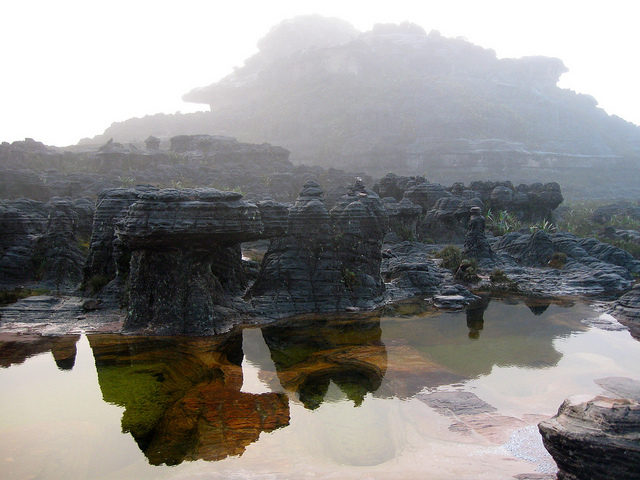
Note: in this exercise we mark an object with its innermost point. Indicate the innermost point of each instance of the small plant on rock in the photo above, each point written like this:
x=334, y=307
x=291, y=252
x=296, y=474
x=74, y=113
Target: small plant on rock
x=544, y=225
x=498, y=276
x=467, y=271
x=502, y=222
x=558, y=259
x=97, y=283
x=451, y=257
x=349, y=278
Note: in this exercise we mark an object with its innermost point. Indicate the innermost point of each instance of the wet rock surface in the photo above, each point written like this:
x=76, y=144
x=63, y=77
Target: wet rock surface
x=627, y=310
x=456, y=403
x=584, y=432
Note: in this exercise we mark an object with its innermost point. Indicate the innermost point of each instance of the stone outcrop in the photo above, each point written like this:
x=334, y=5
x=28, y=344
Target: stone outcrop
x=185, y=270
x=445, y=211
x=564, y=264
x=598, y=439
x=403, y=218
x=32, y=170
x=328, y=260
x=627, y=310
x=475, y=241
x=41, y=242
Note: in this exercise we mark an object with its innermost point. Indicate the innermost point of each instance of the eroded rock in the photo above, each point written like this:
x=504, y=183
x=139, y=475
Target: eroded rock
x=595, y=439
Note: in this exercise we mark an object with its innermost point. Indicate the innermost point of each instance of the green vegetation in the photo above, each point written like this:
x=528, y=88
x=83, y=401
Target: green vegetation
x=502, y=222
x=18, y=293
x=558, y=259
x=451, y=257
x=349, y=279
x=578, y=219
x=498, y=276
x=544, y=225
x=406, y=234
x=97, y=283
x=468, y=271
x=500, y=282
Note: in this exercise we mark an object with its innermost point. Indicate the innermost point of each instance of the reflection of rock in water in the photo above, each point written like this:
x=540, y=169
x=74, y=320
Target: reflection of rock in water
x=310, y=354
x=537, y=306
x=511, y=336
x=475, y=316
x=368, y=435
x=17, y=350
x=182, y=396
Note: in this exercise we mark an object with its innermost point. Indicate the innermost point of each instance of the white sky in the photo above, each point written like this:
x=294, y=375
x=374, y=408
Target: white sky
x=71, y=67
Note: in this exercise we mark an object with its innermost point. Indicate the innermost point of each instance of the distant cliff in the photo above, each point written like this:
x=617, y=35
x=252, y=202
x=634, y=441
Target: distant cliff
x=397, y=98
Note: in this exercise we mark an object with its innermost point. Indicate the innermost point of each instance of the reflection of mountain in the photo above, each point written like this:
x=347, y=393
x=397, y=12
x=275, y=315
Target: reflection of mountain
x=17, y=350
x=511, y=335
x=182, y=396
x=310, y=354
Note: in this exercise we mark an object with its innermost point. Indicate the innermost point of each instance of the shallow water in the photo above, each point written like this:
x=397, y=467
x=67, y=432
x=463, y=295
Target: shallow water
x=407, y=393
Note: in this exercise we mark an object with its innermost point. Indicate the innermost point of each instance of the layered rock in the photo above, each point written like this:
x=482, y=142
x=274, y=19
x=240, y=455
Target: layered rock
x=445, y=211
x=564, y=264
x=108, y=259
x=597, y=439
x=185, y=267
x=627, y=310
x=475, y=241
x=403, y=217
x=328, y=261
x=41, y=242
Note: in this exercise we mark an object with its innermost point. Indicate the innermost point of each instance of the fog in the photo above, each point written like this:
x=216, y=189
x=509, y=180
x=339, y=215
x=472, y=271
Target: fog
x=73, y=67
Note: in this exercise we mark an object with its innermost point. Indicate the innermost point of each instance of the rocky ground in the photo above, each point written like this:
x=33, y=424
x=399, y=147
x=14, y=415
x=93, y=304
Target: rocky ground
x=169, y=260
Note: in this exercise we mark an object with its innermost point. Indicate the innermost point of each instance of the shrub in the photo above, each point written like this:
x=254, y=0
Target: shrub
x=406, y=234
x=451, y=257
x=97, y=283
x=498, y=276
x=558, y=259
x=349, y=278
x=467, y=271
x=502, y=222
x=544, y=225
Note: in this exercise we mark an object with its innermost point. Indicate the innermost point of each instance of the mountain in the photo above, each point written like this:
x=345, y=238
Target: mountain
x=397, y=98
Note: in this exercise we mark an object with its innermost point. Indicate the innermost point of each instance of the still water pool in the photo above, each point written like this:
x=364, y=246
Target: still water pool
x=406, y=393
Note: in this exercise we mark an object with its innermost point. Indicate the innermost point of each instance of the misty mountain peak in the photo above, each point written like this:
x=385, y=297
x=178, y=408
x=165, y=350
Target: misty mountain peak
x=304, y=32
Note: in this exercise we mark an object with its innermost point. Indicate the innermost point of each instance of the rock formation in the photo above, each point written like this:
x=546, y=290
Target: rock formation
x=598, y=439
x=41, y=242
x=399, y=99
x=185, y=268
x=445, y=211
x=475, y=241
x=328, y=261
x=582, y=266
x=627, y=310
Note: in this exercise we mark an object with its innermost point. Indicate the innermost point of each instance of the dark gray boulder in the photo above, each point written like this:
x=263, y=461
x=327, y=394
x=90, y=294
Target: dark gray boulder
x=598, y=439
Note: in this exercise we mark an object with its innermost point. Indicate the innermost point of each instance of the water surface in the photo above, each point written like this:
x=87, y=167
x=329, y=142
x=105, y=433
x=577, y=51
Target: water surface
x=405, y=393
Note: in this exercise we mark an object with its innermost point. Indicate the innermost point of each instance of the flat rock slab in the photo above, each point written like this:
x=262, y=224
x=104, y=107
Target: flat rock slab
x=456, y=403
x=50, y=315
x=623, y=387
